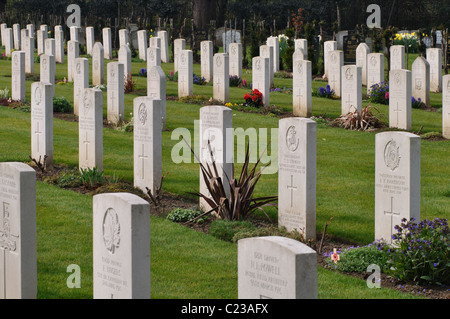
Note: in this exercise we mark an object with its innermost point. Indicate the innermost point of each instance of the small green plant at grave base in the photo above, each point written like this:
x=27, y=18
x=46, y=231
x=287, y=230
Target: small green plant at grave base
x=239, y=203
x=359, y=121
x=173, y=76
x=37, y=58
x=194, y=99
x=21, y=106
x=226, y=230
x=420, y=252
x=61, y=105
x=357, y=259
x=69, y=179
x=182, y=215
x=268, y=231
x=4, y=94
x=379, y=93
x=92, y=178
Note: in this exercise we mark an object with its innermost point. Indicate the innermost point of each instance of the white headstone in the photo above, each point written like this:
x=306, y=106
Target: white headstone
x=276, y=268
x=328, y=47
x=301, y=86
x=59, y=44
x=206, y=57
x=3, y=27
x=153, y=57
x=115, y=93
x=179, y=46
x=147, y=143
x=397, y=56
x=23, y=34
x=90, y=129
x=155, y=42
x=73, y=52
x=16, y=32
x=48, y=70
x=107, y=43
x=164, y=46
x=142, y=44
x=446, y=106
x=18, y=256
x=420, y=72
x=98, y=64
x=221, y=84
x=351, y=89
x=74, y=33
x=362, y=52
x=260, y=77
x=236, y=59
x=41, y=37
x=185, y=73
x=125, y=59
x=335, y=64
x=29, y=55
x=156, y=88
x=42, y=122
x=90, y=40
x=273, y=42
x=123, y=37
x=18, y=76
x=375, y=69
x=297, y=175
x=400, y=99
x=49, y=45
x=8, y=41
x=30, y=28
x=434, y=57
x=397, y=181
x=266, y=51
x=231, y=36
x=121, y=239
x=216, y=123
x=301, y=45
x=80, y=81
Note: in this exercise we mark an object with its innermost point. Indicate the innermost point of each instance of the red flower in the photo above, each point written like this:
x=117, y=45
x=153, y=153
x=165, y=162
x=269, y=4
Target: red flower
x=246, y=96
x=254, y=98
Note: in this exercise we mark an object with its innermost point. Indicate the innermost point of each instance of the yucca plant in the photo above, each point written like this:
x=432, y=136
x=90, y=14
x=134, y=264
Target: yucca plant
x=359, y=121
x=239, y=202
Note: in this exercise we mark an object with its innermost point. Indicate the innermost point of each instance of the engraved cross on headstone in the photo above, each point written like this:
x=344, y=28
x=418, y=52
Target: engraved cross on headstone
x=38, y=133
x=392, y=214
x=86, y=144
x=292, y=188
x=299, y=95
x=397, y=110
x=143, y=158
x=349, y=102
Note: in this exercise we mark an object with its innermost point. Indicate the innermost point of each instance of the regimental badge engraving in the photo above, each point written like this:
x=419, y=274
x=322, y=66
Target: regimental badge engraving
x=142, y=113
x=111, y=230
x=392, y=155
x=291, y=139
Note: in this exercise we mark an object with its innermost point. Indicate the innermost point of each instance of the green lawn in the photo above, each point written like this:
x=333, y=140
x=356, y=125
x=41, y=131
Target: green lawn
x=187, y=264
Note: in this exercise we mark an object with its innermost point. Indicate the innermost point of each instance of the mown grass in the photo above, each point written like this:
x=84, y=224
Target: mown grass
x=186, y=264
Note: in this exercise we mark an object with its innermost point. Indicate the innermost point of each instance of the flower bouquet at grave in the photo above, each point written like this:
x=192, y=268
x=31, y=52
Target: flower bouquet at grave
x=254, y=98
x=379, y=93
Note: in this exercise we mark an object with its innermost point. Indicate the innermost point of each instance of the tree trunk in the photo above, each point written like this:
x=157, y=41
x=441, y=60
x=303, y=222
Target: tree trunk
x=204, y=11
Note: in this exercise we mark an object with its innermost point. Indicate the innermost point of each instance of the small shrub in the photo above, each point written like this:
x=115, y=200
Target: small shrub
x=61, y=105
x=379, y=93
x=4, y=94
x=359, y=121
x=173, y=76
x=69, y=180
x=226, y=230
x=92, y=178
x=181, y=215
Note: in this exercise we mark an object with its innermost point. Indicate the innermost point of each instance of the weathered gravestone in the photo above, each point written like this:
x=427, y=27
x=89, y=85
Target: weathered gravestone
x=185, y=73
x=301, y=91
x=362, y=51
x=80, y=81
x=221, y=84
x=350, y=44
x=164, y=45
x=397, y=56
x=375, y=70
x=90, y=129
x=216, y=123
x=142, y=44
x=266, y=51
x=420, y=72
x=18, y=76
x=115, y=93
x=400, y=99
x=73, y=52
x=98, y=64
x=121, y=240
x=123, y=37
x=446, y=106
x=42, y=123
x=206, y=57
x=261, y=77
x=18, y=265
x=236, y=59
x=328, y=47
x=276, y=268
x=335, y=64
x=125, y=58
x=156, y=88
x=297, y=175
x=179, y=46
x=147, y=144
x=351, y=89
x=107, y=43
x=397, y=181
x=434, y=57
